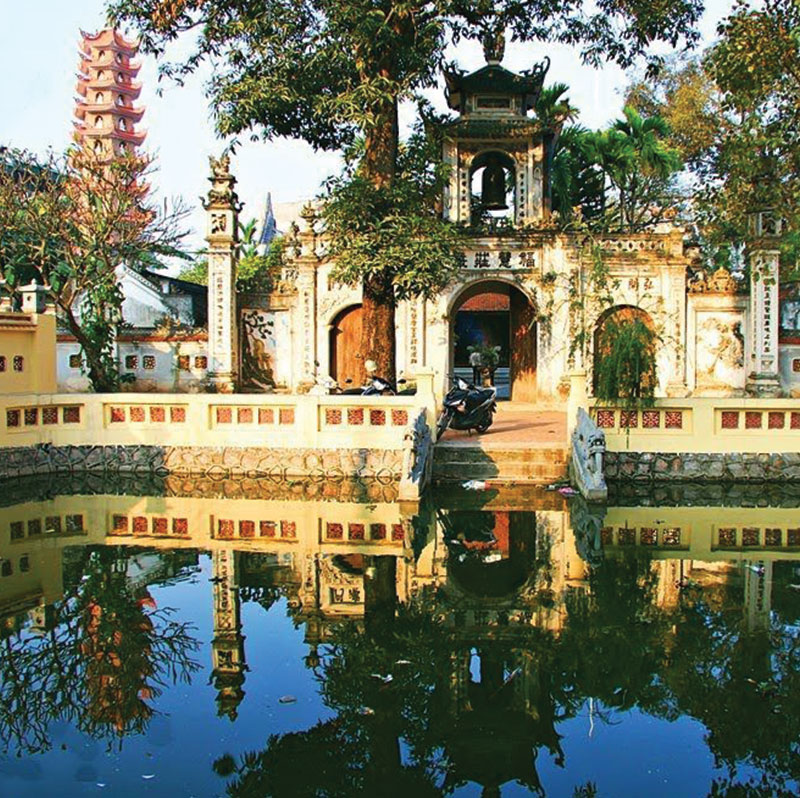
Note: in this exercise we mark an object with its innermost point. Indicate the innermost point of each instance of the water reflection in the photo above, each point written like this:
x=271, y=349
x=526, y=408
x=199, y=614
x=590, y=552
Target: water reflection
x=450, y=646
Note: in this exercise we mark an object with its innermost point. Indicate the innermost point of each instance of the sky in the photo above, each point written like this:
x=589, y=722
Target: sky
x=38, y=65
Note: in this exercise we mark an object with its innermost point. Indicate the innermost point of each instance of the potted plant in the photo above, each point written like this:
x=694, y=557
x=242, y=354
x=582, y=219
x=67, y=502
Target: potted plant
x=485, y=359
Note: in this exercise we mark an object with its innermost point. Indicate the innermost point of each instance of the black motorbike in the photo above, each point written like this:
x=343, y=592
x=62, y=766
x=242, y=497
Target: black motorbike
x=467, y=407
x=375, y=386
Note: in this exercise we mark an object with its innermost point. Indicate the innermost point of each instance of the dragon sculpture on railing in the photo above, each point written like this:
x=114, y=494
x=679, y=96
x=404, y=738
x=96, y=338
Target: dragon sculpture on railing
x=588, y=451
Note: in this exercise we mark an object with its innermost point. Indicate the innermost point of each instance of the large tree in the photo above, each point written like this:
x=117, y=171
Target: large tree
x=328, y=71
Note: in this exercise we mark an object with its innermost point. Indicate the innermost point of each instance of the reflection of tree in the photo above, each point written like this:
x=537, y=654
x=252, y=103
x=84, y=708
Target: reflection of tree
x=107, y=652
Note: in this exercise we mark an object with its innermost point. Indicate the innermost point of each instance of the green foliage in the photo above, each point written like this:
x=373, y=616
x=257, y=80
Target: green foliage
x=68, y=224
x=489, y=355
x=197, y=272
x=257, y=273
x=625, y=364
x=393, y=231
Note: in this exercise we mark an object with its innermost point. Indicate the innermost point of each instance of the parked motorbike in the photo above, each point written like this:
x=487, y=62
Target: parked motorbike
x=375, y=386
x=467, y=408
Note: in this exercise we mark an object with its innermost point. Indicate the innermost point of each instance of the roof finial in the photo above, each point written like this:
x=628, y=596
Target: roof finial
x=494, y=44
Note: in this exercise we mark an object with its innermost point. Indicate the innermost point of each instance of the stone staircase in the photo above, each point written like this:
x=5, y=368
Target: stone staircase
x=498, y=462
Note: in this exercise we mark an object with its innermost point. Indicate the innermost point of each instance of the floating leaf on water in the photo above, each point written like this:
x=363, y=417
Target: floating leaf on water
x=148, y=776
x=287, y=699
x=366, y=711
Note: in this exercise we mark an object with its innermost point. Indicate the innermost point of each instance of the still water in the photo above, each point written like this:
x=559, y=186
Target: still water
x=251, y=638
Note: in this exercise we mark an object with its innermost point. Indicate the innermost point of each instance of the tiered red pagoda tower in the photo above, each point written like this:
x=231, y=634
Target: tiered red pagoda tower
x=107, y=91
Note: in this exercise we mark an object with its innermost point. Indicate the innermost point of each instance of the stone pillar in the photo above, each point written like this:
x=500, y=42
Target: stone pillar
x=763, y=378
x=222, y=211
x=227, y=645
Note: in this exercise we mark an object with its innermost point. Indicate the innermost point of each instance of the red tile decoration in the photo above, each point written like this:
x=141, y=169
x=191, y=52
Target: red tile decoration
x=49, y=415
x=131, y=361
x=751, y=536
x=137, y=413
x=628, y=419
x=34, y=527
x=795, y=421
x=334, y=531
x=673, y=419
x=356, y=531
x=793, y=537
x=286, y=415
x=626, y=537
x=648, y=536
x=399, y=418
x=177, y=415
x=651, y=419
x=52, y=525
x=75, y=361
x=17, y=530
x=244, y=415
x=119, y=524
x=184, y=363
x=2, y=363
x=730, y=419
x=12, y=418
x=117, y=415
x=671, y=537
x=606, y=535
x=149, y=362
x=333, y=416
x=19, y=363
x=247, y=529
x=224, y=415
x=160, y=526
x=776, y=420
x=727, y=536
x=605, y=419
x=71, y=415
x=224, y=529
x=398, y=532
x=772, y=537
x=201, y=362
x=267, y=529
x=158, y=415
x=31, y=416
x=377, y=531
x=377, y=418
x=139, y=525
x=266, y=415
x=288, y=529
x=180, y=526
x=355, y=415
x=752, y=419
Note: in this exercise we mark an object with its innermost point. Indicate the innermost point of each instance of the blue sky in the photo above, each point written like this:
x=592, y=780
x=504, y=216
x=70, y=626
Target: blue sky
x=38, y=62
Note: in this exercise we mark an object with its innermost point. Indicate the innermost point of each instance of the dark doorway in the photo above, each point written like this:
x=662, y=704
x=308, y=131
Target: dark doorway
x=496, y=314
x=345, y=346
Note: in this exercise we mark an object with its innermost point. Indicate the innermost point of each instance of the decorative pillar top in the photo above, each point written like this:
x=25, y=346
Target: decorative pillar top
x=221, y=195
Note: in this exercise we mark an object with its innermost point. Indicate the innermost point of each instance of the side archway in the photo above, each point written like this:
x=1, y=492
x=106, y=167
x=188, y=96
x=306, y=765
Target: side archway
x=607, y=330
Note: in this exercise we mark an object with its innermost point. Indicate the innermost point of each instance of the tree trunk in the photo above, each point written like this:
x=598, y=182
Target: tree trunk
x=100, y=379
x=379, y=166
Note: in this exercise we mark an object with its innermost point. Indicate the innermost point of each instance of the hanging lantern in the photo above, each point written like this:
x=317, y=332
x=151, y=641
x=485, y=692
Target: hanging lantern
x=493, y=186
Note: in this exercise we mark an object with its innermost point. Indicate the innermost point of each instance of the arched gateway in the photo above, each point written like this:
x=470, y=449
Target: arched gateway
x=494, y=313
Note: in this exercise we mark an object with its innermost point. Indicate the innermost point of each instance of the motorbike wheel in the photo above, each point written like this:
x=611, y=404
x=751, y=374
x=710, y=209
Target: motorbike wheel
x=483, y=427
x=441, y=426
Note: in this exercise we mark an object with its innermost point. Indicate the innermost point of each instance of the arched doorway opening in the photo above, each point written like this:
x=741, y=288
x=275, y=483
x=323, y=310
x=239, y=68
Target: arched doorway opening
x=346, y=362
x=607, y=332
x=492, y=186
x=493, y=314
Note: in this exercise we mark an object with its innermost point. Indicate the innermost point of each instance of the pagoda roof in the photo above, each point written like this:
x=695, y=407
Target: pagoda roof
x=473, y=127
x=128, y=111
x=494, y=79
x=111, y=38
x=125, y=87
x=131, y=68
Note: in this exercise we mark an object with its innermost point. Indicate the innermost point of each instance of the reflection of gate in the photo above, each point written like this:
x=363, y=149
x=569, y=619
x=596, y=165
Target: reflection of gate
x=345, y=346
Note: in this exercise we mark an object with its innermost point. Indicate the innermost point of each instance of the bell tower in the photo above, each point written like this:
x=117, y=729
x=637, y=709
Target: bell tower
x=498, y=152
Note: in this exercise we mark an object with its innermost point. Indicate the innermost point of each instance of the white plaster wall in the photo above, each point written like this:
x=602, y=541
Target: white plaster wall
x=790, y=379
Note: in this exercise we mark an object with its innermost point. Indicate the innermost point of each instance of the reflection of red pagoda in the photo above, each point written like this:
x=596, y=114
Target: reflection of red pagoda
x=107, y=91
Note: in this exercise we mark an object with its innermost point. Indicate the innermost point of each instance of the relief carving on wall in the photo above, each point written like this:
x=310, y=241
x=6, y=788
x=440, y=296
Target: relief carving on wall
x=720, y=353
x=258, y=350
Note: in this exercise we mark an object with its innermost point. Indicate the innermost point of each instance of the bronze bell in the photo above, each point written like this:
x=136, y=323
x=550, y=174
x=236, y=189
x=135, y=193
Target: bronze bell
x=493, y=186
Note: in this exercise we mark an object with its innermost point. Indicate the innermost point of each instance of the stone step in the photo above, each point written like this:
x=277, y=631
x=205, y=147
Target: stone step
x=467, y=455
x=512, y=472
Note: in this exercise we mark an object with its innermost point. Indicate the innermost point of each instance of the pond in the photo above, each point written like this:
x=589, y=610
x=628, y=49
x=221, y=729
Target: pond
x=250, y=638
